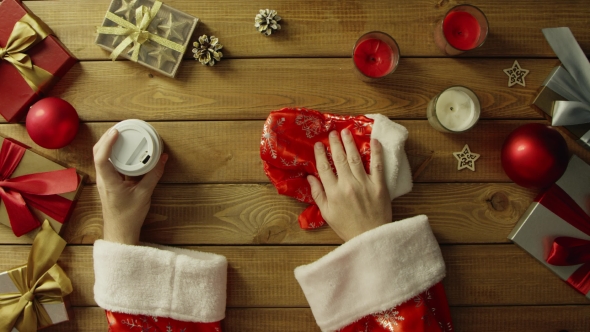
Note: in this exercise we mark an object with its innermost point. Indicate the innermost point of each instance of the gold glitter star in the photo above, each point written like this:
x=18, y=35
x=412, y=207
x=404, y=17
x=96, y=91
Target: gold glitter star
x=173, y=28
x=163, y=55
x=125, y=9
x=516, y=74
x=466, y=158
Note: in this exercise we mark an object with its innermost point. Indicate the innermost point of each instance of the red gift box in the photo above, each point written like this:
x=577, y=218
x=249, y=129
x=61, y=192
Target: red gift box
x=49, y=54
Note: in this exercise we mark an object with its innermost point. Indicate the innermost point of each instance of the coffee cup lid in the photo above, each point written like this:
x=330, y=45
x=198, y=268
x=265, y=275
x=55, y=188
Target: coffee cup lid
x=137, y=149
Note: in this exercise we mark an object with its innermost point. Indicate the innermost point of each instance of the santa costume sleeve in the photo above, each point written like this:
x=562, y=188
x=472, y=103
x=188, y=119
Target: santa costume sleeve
x=386, y=279
x=158, y=288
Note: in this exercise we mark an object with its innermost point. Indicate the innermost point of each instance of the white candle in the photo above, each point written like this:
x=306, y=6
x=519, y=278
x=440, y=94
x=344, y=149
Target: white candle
x=456, y=110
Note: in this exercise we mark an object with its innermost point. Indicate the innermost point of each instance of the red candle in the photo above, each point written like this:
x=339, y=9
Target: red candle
x=462, y=30
x=374, y=58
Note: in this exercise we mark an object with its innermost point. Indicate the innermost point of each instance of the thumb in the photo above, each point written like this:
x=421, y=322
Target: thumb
x=150, y=179
x=317, y=191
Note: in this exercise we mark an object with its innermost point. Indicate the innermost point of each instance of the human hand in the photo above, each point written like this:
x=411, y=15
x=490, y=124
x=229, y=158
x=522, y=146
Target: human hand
x=352, y=202
x=125, y=202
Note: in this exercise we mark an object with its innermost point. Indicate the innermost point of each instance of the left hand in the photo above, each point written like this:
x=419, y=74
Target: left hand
x=125, y=202
x=352, y=202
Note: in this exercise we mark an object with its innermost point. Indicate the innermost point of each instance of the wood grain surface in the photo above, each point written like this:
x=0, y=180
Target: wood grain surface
x=318, y=29
x=253, y=214
x=215, y=196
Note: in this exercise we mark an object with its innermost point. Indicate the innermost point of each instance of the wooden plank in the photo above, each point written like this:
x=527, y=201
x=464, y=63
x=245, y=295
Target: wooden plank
x=329, y=29
x=256, y=214
x=481, y=319
x=107, y=91
x=263, y=276
x=233, y=156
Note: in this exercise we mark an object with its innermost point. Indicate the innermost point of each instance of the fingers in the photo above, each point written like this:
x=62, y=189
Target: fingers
x=102, y=152
x=354, y=158
x=150, y=179
x=377, y=169
x=339, y=156
x=317, y=191
x=321, y=160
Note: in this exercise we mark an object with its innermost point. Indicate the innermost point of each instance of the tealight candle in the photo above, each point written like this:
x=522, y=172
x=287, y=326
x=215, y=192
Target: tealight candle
x=454, y=110
x=375, y=55
x=463, y=28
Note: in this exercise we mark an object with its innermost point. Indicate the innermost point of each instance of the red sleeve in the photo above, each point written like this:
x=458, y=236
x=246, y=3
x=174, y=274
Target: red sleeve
x=427, y=312
x=120, y=322
x=386, y=279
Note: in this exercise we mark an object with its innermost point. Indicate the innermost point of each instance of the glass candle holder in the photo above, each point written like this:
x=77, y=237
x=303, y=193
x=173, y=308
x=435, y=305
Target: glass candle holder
x=375, y=55
x=462, y=29
x=454, y=110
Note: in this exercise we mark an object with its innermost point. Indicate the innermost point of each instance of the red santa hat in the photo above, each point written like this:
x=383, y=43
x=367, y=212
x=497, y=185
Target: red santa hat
x=286, y=149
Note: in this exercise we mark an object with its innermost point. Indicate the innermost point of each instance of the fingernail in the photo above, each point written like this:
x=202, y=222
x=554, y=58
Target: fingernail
x=333, y=133
x=318, y=146
x=345, y=132
x=164, y=158
x=112, y=131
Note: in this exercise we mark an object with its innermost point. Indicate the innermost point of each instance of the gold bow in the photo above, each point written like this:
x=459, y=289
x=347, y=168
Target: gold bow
x=27, y=32
x=40, y=281
x=137, y=34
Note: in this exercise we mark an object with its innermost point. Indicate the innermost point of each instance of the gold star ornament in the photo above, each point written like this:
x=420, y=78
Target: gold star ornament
x=516, y=74
x=466, y=158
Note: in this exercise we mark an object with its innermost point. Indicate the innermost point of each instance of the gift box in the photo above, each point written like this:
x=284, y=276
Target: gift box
x=34, y=189
x=147, y=31
x=556, y=227
x=564, y=97
x=31, y=59
x=34, y=296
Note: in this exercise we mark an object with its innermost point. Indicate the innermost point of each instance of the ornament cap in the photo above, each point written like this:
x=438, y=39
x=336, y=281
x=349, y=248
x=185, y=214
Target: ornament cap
x=137, y=149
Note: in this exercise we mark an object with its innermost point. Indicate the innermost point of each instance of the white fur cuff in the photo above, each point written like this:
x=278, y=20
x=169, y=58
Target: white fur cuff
x=392, y=137
x=160, y=281
x=372, y=272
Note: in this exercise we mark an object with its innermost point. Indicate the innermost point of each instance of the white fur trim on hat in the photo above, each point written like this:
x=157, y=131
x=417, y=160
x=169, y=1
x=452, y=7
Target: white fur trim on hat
x=372, y=272
x=392, y=137
x=160, y=281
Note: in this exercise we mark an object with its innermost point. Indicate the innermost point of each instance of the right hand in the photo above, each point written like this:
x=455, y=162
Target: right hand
x=125, y=202
x=352, y=202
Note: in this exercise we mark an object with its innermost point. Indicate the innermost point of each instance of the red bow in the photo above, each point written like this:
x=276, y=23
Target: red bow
x=39, y=190
x=567, y=251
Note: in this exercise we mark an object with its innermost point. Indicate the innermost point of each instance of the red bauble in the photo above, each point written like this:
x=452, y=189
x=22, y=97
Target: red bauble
x=52, y=123
x=534, y=155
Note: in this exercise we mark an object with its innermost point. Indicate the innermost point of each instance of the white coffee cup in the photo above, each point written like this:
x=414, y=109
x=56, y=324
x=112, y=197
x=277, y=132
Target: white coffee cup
x=138, y=148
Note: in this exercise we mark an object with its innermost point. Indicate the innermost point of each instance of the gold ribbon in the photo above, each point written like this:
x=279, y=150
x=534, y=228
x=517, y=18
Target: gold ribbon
x=137, y=34
x=27, y=32
x=39, y=282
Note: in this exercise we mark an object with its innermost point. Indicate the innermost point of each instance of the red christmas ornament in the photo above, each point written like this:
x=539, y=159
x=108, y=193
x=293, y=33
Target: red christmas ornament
x=52, y=123
x=534, y=156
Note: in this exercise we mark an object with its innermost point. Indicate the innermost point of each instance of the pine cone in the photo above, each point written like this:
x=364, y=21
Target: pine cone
x=207, y=52
x=266, y=21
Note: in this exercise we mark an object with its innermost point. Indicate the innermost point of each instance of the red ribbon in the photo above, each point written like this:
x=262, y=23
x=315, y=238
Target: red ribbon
x=567, y=251
x=39, y=191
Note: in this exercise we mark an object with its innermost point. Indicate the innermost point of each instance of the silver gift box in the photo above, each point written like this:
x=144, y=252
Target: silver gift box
x=169, y=23
x=547, y=95
x=538, y=227
x=58, y=312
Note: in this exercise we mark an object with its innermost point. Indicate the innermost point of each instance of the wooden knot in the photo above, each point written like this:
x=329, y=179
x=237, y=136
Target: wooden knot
x=271, y=234
x=499, y=201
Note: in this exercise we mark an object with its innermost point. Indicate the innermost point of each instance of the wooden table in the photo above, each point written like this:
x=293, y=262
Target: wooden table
x=215, y=196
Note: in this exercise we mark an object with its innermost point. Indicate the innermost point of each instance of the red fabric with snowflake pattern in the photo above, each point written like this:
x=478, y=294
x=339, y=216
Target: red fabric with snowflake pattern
x=427, y=312
x=286, y=149
x=120, y=322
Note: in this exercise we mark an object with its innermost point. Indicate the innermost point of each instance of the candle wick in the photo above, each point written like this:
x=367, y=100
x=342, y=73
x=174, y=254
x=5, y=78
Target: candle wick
x=451, y=108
